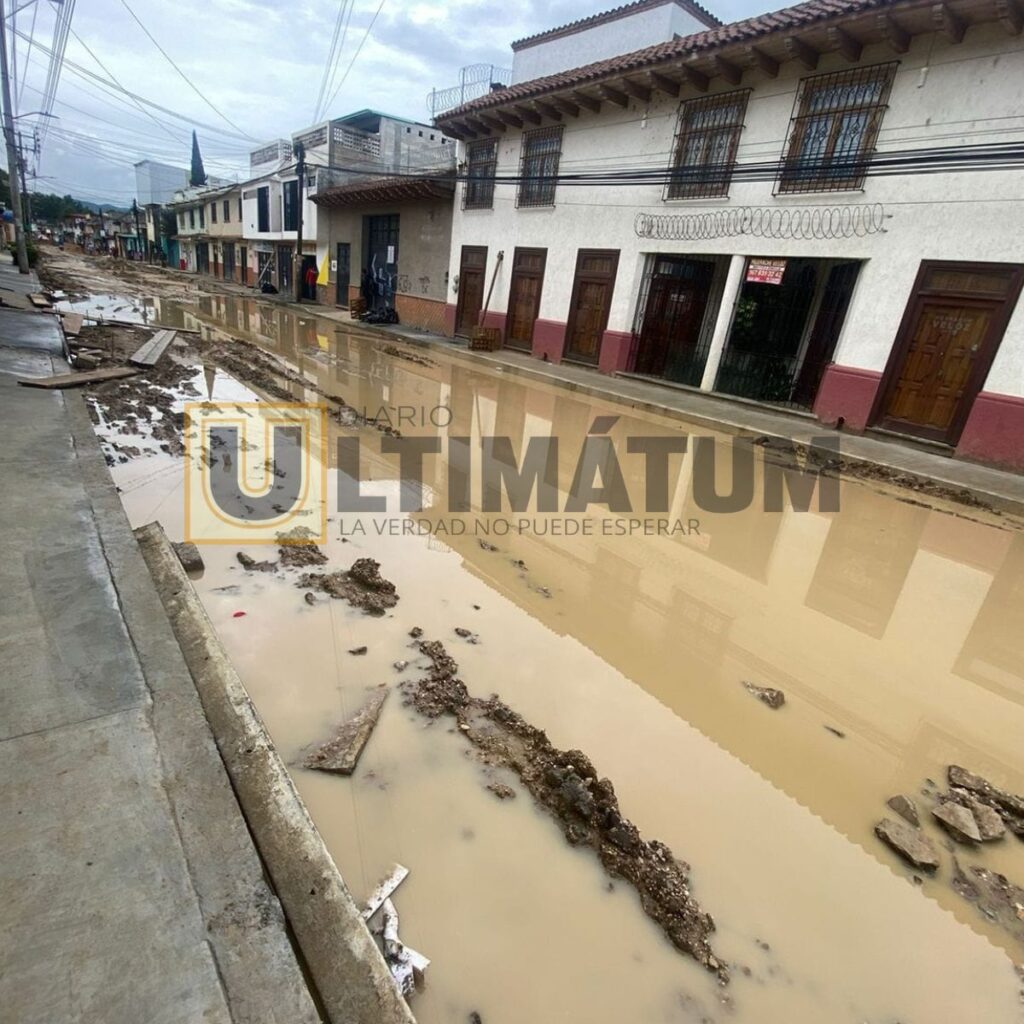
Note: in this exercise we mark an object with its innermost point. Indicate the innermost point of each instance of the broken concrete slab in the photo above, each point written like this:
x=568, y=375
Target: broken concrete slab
x=1009, y=805
x=766, y=695
x=909, y=842
x=998, y=898
x=76, y=380
x=905, y=808
x=341, y=752
x=249, y=564
x=383, y=890
x=957, y=821
x=188, y=555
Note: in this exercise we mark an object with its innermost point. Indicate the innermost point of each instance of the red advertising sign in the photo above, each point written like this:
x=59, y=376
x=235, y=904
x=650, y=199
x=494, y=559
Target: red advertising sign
x=766, y=271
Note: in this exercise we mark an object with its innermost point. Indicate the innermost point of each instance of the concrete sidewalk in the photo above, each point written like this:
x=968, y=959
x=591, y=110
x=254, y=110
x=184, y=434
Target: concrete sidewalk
x=130, y=888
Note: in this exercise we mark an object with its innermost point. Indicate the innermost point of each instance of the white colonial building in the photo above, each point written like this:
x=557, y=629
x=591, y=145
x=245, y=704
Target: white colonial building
x=820, y=208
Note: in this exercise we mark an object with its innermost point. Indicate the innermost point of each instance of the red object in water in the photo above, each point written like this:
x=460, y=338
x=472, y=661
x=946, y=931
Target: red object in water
x=237, y=615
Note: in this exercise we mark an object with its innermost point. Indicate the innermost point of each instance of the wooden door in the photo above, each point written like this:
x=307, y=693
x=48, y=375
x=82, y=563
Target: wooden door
x=343, y=274
x=591, y=303
x=524, y=297
x=472, y=270
x=947, y=341
x=673, y=316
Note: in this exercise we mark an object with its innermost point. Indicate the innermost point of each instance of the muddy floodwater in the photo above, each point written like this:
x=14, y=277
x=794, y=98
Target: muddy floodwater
x=894, y=627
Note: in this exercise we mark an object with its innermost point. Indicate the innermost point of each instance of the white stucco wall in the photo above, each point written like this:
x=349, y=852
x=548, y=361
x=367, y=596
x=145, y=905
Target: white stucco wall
x=943, y=95
x=609, y=39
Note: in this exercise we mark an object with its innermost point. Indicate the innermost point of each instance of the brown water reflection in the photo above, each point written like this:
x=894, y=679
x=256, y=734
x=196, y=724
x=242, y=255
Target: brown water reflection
x=899, y=626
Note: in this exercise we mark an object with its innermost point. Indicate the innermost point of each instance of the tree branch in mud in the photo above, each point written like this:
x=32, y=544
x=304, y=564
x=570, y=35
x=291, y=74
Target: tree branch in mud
x=567, y=785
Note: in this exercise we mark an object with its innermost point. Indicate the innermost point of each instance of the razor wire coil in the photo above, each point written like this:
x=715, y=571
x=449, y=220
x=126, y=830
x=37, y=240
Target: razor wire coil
x=809, y=223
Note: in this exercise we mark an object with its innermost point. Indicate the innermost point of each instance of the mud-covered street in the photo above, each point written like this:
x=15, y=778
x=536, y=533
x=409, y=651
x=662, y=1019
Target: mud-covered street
x=637, y=776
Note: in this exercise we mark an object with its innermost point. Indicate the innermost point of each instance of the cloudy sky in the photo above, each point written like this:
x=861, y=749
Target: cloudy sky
x=251, y=71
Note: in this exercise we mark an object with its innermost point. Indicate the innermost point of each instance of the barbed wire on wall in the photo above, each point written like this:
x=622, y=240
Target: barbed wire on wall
x=801, y=223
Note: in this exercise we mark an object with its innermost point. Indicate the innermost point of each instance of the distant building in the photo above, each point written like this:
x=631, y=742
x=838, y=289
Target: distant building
x=156, y=183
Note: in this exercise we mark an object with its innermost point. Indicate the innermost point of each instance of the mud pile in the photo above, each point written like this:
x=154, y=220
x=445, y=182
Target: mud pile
x=362, y=586
x=568, y=786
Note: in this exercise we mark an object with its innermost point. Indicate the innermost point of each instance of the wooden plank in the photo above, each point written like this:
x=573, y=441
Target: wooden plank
x=341, y=752
x=150, y=352
x=72, y=323
x=391, y=881
x=39, y=301
x=74, y=380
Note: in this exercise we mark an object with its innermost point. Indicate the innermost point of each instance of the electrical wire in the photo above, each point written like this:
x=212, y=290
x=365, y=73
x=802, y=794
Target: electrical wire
x=185, y=78
x=332, y=59
x=355, y=56
x=20, y=91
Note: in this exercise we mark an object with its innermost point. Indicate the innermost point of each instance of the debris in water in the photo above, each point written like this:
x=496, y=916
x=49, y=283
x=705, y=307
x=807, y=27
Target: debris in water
x=998, y=898
x=358, y=650
x=467, y=634
x=909, y=842
x=416, y=632
x=309, y=597
x=249, y=564
x=905, y=808
x=501, y=791
x=406, y=965
x=301, y=556
x=341, y=752
x=568, y=786
x=188, y=555
x=362, y=586
x=836, y=732
x=958, y=822
x=990, y=824
x=766, y=694
x=237, y=615
x=383, y=890
x=1009, y=805
x=401, y=666
x=486, y=545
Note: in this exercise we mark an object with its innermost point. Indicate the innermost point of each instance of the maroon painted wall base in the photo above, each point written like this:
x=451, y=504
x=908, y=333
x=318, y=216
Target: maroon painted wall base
x=846, y=393
x=548, y=340
x=994, y=432
x=616, y=348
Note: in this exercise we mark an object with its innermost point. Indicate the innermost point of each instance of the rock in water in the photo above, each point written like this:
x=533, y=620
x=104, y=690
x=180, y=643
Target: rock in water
x=990, y=825
x=958, y=822
x=1009, y=805
x=341, y=752
x=188, y=555
x=905, y=808
x=909, y=842
x=766, y=694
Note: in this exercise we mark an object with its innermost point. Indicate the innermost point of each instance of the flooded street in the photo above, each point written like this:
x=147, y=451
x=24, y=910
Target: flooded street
x=893, y=626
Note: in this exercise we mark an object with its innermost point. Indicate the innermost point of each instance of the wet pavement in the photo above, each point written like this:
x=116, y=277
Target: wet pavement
x=892, y=626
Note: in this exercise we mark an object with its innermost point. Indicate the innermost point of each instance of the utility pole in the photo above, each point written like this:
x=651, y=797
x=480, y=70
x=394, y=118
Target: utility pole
x=12, y=156
x=299, y=152
x=26, y=198
x=138, y=236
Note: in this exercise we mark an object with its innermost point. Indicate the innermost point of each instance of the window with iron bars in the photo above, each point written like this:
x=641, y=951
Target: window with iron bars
x=835, y=124
x=538, y=167
x=707, y=138
x=481, y=165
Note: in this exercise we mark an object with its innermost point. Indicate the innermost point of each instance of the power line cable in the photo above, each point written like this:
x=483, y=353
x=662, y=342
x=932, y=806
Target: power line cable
x=332, y=59
x=187, y=80
x=355, y=56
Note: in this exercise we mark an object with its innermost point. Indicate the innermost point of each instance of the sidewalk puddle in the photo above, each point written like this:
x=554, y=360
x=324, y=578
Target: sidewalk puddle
x=892, y=628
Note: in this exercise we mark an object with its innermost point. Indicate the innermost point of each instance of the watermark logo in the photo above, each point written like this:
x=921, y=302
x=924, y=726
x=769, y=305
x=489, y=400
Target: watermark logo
x=254, y=470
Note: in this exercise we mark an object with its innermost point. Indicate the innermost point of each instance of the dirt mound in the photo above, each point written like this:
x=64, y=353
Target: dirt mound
x=567, y=785
x=362, y=586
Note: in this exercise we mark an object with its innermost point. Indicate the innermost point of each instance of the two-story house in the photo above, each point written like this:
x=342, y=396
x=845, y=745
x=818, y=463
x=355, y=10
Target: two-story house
x=813, y=208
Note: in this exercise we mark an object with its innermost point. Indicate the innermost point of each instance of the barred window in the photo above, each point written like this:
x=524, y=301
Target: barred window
x=290, y=201
x=481, y=165
x=213, y=213
x=538, y=167
x=705, y=148
x=835, y=125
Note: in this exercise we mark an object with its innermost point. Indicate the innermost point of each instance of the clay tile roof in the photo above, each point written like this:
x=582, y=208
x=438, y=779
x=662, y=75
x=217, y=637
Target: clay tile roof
x=700, y=13
x=787, y=19
x=387, y=190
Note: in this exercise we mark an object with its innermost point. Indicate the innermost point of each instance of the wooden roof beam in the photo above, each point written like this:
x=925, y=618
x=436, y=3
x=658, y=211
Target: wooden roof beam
x=1010, y=16
x=894, y=33
x=547, y=110
x=761, y=61
x=841, y=41
x=694, y=78
x=587, y=102
x=492, y=122
x=636, y=90
x=510, y=119
x=461, y=130
x=729, y=71
x=663, y=83
x=528, y=114
x=613, y=95
x=951, y=25
x=800, y=51
x=567, y=107
x=477, y=126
